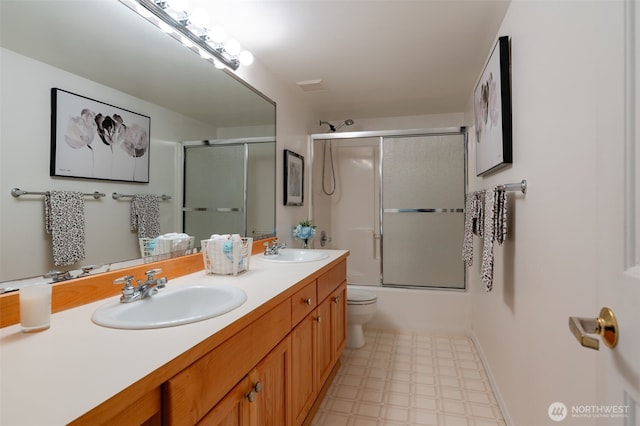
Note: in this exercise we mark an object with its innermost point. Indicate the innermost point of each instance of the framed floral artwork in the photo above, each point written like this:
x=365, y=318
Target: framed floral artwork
x=293, y=178
x=95, y=140
x=492, y=108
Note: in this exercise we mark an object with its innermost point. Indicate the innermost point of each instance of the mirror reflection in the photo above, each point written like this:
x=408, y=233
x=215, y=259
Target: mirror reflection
x=73, y=46
x=243, y=205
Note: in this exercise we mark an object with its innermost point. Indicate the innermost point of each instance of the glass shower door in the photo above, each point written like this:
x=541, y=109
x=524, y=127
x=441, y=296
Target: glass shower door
x=209, y=206
x=423, y=189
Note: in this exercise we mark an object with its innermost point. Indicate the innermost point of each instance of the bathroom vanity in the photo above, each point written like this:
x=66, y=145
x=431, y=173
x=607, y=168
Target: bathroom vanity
x=266, y=362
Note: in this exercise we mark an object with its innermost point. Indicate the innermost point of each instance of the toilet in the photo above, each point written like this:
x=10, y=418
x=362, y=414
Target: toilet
x=361, y=305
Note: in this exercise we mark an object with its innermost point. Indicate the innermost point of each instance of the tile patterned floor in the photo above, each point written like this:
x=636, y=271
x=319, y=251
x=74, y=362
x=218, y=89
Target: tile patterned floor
x=410, y=379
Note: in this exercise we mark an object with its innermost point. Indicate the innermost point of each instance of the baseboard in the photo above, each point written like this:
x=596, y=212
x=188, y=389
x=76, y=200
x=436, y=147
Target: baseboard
x=492, y=382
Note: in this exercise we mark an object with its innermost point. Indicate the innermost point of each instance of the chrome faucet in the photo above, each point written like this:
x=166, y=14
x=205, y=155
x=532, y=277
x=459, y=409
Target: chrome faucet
x=130, y=293
x=273, y=249
x=57, y=276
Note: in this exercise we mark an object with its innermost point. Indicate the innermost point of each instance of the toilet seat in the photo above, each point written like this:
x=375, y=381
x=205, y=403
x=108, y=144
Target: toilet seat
x=360, y=297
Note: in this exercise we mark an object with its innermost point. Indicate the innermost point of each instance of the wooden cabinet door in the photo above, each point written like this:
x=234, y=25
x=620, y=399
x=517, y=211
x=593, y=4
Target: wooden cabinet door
x=339, y=320
x=261, y=398
x=270, y=388
x=232, y=410
x=324, y=349
x=303, y=360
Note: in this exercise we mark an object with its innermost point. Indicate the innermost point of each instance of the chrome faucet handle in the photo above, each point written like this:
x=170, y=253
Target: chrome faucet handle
x=151, y=273
x=153, y=282
x=161, y=282
x=86, y=270
x=128, y=291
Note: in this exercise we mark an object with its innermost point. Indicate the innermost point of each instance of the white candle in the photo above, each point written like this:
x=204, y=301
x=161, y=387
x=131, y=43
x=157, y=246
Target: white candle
x=35, y=307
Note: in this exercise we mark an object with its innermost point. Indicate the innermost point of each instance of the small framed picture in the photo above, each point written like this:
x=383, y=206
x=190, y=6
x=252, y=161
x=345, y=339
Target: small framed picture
x=293, y=178
x=94, y=140
x=492, y=108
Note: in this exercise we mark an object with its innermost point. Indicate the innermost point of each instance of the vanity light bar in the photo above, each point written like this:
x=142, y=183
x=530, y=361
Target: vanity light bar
x=180, y=31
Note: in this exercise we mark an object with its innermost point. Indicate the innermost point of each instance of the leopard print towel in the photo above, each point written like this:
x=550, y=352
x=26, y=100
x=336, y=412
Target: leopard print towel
x=64, y=220
x=472, y=224
x=145, y=215
x=495, y=230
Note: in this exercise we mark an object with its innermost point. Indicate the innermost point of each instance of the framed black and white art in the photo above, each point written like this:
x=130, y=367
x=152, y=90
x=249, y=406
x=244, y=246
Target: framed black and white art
x=492, y=108
x=95, y=140
x=293, y=178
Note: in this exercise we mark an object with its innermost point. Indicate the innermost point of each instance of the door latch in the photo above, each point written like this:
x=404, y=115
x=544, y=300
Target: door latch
x=605, y=325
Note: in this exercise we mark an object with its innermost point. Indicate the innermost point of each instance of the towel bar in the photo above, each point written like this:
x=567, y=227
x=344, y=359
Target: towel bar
x=517, y=186
x=16, y=192
x=117, y=196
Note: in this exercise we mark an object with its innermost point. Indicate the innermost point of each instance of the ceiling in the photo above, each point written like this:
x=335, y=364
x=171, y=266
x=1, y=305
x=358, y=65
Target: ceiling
x=375, y=58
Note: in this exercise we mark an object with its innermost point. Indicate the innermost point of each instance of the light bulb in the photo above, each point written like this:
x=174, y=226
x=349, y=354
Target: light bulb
x=200, y=18
x=178, y=5
x=246, y=58
x=217, y=35
x=232, y=47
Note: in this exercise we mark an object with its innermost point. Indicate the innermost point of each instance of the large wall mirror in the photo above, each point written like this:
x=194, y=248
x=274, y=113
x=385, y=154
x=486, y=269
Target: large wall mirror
x=102, y=50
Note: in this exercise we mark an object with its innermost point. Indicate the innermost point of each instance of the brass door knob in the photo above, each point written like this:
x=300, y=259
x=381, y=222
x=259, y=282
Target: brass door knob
x=605, y=325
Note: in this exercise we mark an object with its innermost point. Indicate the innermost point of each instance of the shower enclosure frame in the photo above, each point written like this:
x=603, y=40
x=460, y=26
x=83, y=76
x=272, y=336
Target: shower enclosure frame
x=382, y=134
x=240, y=142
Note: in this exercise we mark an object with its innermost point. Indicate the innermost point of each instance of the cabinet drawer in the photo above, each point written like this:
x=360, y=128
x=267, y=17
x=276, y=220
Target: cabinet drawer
x=190, y=394
x=303, y=302
x=330, y=280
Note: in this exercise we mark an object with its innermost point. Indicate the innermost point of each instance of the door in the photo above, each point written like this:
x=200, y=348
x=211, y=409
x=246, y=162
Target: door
x=270, y=390
x=423, y=186
x=324, y=350
x=618, y=242
x=620, y=282
x=303, y=360
x=339, y=320
x=231, y=410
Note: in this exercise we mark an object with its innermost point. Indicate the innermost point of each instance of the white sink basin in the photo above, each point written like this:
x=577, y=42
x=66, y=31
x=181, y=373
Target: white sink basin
x=171, y=307
x=295, y=256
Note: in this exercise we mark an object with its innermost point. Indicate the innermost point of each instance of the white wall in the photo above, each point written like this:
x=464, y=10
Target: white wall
x=25, y=249
x=294, y=122
x=566, y=72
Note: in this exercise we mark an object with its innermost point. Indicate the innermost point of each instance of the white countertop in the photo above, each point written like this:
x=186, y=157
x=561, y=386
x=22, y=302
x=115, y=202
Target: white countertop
x=55, y=376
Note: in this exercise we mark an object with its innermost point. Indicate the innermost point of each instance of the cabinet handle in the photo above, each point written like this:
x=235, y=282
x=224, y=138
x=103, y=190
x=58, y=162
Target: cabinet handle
x=258, y=387
x=318, y=319
x=308, y=301
x=336, y=299
x=251, y=396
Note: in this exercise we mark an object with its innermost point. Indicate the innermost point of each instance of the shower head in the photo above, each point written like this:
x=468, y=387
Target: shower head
x=332, y=128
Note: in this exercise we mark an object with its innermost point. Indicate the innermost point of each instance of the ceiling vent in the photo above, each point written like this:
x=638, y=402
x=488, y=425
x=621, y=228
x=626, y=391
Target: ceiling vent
x=311, y=85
